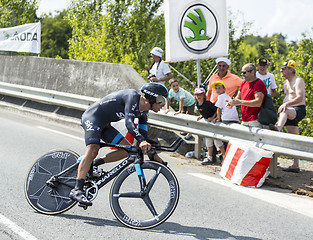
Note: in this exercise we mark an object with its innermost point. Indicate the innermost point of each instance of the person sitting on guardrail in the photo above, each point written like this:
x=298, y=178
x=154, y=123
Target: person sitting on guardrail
x=292, y=111
x=250, y=96
x=207, y=111
x=125, y=104
x=185, y=99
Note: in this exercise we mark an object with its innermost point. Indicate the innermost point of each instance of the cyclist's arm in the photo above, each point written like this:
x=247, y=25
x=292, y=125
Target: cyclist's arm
x=130, y=106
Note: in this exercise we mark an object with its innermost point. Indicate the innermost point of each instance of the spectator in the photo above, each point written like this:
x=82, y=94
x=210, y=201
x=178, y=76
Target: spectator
x=207, y=110
x=266, y=77
x=250, y=96
x=224, y=114
x=185, y=99
x=292, y=111
x=231, y=81
x=159, y=70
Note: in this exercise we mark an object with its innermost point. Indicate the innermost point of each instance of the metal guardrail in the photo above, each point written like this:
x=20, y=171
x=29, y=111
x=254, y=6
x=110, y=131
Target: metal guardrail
x=52, y=97
x=277, y=142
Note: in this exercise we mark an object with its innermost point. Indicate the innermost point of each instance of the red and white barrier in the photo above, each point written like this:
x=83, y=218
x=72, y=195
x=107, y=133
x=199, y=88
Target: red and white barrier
x=245, y=165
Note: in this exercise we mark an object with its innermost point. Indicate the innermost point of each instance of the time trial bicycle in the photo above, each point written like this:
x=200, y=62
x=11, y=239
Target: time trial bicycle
x=143, y=195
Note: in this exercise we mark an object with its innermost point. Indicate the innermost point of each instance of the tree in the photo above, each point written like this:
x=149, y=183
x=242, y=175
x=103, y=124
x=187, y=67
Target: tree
x=115, y=30
x=55, y=33
x=17, y=12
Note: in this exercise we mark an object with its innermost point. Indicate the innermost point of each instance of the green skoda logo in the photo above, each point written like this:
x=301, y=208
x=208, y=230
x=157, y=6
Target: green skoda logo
x=198, y=28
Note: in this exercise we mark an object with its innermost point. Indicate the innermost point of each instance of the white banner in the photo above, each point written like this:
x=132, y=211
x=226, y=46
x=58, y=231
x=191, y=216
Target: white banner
x=23, y=38
x=195, y=29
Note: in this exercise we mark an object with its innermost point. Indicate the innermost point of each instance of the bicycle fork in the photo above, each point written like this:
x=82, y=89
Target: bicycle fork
x=145, y=188
x=141, y=176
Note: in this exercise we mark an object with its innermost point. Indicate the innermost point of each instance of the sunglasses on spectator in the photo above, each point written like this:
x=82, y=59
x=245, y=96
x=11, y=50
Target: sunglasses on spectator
x=244, y=72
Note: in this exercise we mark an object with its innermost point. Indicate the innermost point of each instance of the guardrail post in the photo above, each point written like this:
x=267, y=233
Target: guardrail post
x=273, y=166
x=198, y=146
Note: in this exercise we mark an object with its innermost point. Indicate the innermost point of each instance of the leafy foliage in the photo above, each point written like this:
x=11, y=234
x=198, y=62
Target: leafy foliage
x=17, y=12
x=115, y=31
x=55, y=32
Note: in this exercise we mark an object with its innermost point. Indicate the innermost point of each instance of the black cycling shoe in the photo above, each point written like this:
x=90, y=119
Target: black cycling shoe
x=78, y=195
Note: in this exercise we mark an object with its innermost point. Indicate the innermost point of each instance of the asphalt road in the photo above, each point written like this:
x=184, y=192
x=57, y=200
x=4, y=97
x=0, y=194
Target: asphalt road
x=209, y=207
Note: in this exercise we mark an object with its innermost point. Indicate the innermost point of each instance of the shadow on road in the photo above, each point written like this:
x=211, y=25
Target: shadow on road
x=197, y=232
x=166, y=228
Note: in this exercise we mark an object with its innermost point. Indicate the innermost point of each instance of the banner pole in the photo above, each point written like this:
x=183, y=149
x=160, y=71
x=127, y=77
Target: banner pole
x=198, y=73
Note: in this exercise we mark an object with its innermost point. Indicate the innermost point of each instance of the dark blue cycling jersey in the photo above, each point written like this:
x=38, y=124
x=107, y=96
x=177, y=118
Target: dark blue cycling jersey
x=122, y=104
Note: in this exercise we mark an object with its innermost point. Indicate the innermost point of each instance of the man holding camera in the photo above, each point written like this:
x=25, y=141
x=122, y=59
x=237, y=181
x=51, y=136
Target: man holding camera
x=159, y=71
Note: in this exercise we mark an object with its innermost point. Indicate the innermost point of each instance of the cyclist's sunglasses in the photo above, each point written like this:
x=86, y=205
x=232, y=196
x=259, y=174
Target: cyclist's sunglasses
x=161, y=100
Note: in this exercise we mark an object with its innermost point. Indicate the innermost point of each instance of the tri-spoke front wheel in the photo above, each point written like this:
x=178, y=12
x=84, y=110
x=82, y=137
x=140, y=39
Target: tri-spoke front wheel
x=148, y=207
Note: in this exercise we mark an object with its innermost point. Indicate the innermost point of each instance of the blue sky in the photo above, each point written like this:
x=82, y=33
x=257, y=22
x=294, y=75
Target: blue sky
x=289, y=17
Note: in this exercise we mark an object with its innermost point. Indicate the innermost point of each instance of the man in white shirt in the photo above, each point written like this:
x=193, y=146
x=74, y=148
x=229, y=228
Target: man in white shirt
x=266, y=77
x=159, y=70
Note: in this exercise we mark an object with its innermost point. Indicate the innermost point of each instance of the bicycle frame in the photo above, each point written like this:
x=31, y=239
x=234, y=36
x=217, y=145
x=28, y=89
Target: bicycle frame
x=135, y=156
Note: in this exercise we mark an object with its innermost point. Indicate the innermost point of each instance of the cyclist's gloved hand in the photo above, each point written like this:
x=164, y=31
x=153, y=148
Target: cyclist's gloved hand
x=145, y=146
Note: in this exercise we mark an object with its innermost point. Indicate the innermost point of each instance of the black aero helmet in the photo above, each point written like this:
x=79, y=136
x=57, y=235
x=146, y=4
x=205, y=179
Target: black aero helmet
x=155, y=93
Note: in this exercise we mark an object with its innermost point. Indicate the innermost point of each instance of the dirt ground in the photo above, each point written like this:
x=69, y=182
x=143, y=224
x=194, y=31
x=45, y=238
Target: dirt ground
x=299, y=183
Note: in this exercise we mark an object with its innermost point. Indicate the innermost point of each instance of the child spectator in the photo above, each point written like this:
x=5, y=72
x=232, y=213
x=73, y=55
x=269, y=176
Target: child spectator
x=224, y=114
x=266, y=77
x=207, y=110
x=185, y=99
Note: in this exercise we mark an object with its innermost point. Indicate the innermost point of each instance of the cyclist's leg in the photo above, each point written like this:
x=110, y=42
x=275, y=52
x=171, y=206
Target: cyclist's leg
x=77, y=193
x=111, y=135
x=84, y=166
x=92, y=139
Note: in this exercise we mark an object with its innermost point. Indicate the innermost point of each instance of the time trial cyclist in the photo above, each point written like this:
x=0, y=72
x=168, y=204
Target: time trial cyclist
x=125, y=104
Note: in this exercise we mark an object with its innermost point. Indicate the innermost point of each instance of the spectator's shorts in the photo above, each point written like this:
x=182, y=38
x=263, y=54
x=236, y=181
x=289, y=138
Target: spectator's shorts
x=301, y=112
x=189, y=109
x=209, y=142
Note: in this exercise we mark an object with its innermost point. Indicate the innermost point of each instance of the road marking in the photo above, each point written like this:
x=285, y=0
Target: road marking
x=16, y=229
x=298, y=204
x=61, y=133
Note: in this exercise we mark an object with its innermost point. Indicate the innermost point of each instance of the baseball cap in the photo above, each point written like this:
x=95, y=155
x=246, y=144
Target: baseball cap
x=218, y=83
x=262, y=61
x=223, y=59
x=289, y=63
x=157, y=51
x=199, y=91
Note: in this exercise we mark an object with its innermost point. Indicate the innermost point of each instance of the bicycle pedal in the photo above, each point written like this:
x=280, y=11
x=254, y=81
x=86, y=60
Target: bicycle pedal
x=82, y=206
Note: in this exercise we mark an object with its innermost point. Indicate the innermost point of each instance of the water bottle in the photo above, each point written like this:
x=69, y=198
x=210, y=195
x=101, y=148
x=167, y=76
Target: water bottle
x=190, y=154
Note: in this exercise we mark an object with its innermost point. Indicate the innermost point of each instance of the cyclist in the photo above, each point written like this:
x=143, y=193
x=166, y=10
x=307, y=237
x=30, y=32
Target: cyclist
x=125, y=104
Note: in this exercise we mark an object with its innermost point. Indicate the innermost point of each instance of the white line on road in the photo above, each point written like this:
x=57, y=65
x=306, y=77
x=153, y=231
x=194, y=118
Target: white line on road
x=16, y=229
x=299, y=204
x=61, y=133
